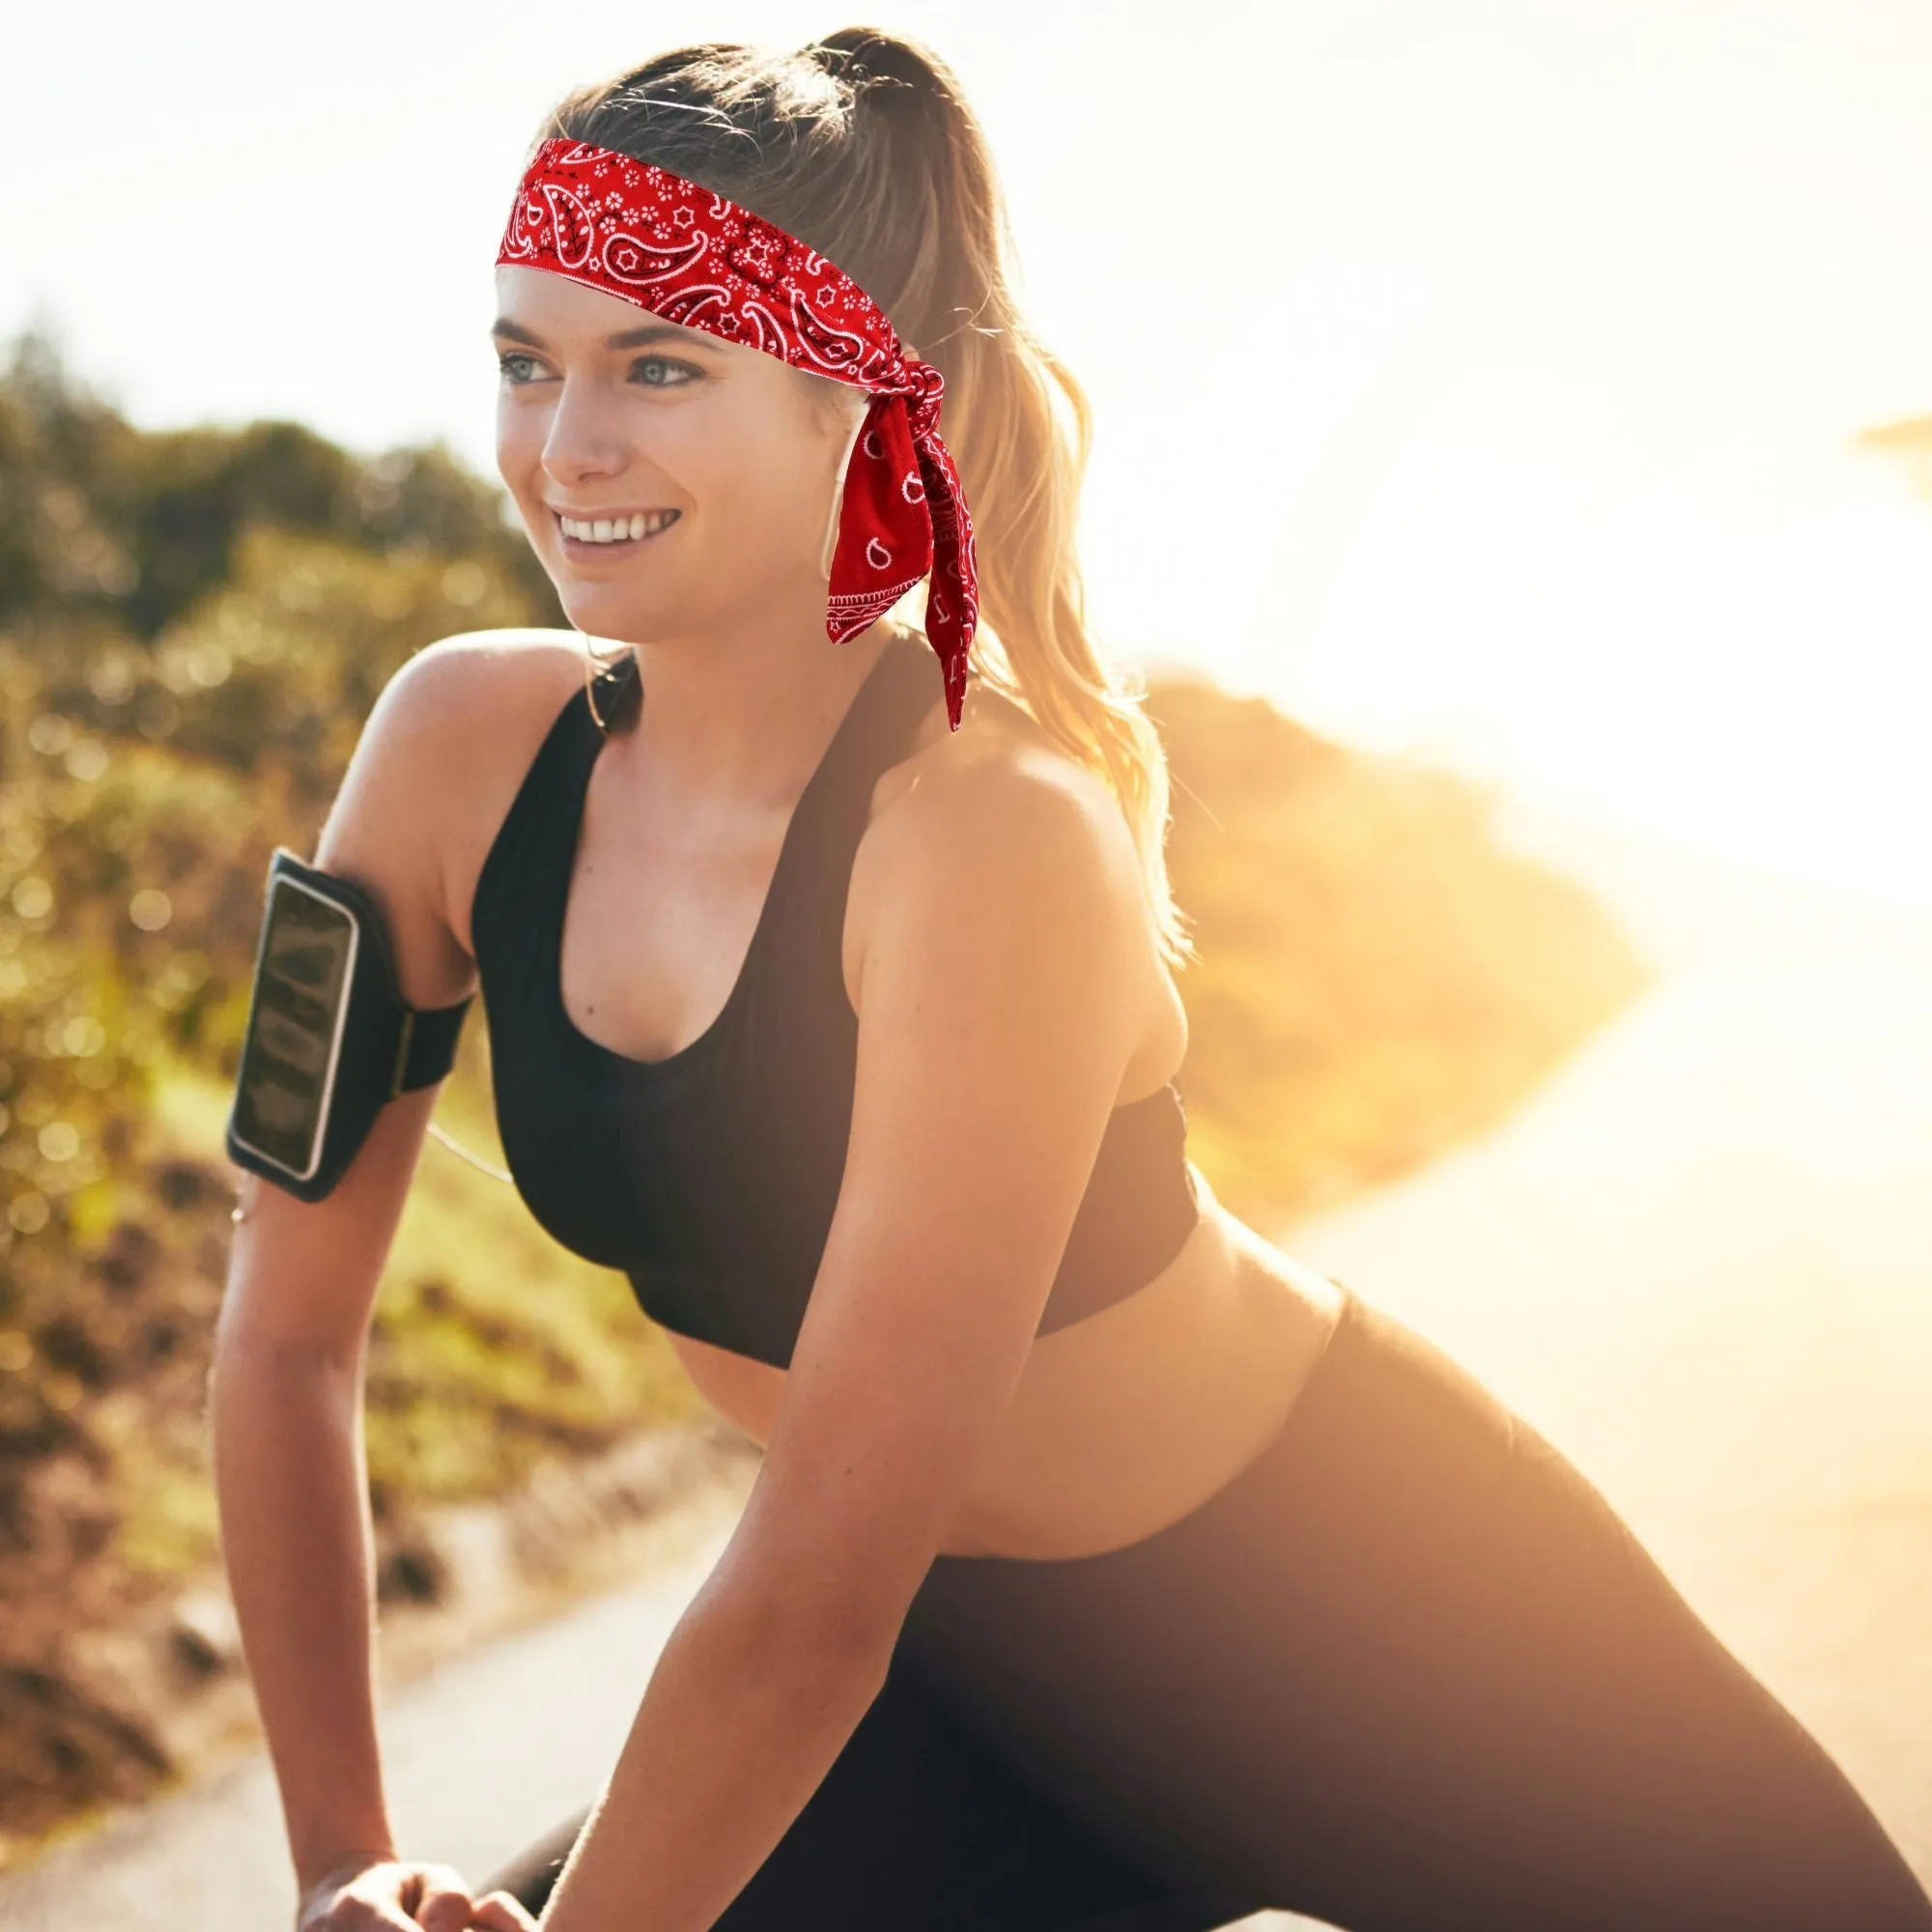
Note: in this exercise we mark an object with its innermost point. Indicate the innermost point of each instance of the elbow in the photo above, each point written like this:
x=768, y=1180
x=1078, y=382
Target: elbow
x=831, y=1639
x=256, y=1380
x=847, y=1638
x=805, y=1631
x=244, y=1348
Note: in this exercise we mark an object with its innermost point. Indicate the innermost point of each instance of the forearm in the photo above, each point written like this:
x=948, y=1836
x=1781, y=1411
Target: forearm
x=299, y=1543
x=738, y=1727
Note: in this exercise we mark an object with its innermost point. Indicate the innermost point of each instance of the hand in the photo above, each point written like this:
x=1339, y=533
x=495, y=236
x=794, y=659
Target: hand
x=367, y=1892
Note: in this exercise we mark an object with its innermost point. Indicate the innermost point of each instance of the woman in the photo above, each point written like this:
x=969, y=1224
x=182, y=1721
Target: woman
x=1106, y=1568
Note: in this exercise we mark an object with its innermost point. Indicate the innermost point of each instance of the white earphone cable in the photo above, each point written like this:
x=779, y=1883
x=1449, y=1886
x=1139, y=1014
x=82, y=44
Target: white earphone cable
x=475, y=1160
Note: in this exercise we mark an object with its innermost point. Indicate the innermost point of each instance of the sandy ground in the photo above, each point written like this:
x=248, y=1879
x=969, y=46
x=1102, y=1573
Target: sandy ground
x=1699, y=1261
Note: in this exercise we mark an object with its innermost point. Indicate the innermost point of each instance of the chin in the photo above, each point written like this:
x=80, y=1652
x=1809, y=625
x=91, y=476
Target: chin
x=612, y=602
x=596, y=617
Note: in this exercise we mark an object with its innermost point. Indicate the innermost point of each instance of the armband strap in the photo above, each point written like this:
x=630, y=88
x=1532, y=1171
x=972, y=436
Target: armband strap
x=329, y=1040
x=426, y=1047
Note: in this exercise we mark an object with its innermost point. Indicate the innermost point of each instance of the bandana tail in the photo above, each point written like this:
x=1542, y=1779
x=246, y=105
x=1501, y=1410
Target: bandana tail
x=885, y=534
x=903, y=517
x=951, y=599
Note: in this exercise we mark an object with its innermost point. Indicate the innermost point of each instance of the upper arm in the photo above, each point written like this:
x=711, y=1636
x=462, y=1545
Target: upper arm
x=305, y=1273
x=1002, y=994
x=390, y=824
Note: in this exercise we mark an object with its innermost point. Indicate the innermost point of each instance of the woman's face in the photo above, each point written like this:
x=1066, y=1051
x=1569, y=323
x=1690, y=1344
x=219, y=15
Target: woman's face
x=604, y=411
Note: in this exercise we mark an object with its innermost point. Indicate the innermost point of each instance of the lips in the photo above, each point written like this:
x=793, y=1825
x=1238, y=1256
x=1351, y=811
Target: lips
x=583, y=546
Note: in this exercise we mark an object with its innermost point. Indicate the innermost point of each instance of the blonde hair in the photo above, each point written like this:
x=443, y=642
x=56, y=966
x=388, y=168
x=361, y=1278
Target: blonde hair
x=863, y=146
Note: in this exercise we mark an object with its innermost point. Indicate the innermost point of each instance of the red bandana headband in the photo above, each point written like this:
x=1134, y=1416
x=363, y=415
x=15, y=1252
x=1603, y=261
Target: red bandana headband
x=653, y=238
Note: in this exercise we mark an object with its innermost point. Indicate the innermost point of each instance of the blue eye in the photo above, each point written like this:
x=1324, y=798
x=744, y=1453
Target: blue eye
x=691, y=373
x=664, y=362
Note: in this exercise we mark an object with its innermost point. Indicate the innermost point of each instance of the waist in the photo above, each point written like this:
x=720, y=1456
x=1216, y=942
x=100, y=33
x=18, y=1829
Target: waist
x=1124, y=1420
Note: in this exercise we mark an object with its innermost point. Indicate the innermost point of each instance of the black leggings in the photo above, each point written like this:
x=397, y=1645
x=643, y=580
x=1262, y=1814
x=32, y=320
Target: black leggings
x=1406, y=1672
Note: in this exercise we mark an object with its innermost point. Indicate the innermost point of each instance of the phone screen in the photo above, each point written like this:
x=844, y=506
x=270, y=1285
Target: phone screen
x=294, y=1026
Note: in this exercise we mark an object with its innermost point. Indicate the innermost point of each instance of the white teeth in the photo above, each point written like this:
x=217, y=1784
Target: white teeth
x=621, y=529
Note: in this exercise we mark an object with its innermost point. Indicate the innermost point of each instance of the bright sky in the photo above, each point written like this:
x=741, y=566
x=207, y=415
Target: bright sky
x=1473, y=377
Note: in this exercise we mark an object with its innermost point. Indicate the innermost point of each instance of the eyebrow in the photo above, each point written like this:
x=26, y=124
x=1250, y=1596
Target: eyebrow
x=628, y=338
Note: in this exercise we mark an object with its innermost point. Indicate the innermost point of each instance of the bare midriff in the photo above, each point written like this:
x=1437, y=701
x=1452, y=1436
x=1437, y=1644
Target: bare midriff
x=1123, y=1422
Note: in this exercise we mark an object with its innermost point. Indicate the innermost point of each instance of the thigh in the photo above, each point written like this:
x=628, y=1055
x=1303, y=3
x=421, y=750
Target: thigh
x=1563, y=1739
x=1411, y=1672
x=918, y=1824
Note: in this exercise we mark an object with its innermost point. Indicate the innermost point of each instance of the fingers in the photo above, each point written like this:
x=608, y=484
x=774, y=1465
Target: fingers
x=499, y=1911
x=392, y=1895
x=369, y=1902
x=440, y=1901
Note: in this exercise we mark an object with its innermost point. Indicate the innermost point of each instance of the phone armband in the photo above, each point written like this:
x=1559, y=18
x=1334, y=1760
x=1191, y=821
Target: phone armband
x=329, y=1040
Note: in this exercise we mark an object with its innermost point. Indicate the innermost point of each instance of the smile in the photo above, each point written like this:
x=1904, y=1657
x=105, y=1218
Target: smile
x=613, y=533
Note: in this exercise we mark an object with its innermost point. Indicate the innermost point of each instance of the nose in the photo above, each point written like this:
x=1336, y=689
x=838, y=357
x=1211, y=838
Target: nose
x=580, y=441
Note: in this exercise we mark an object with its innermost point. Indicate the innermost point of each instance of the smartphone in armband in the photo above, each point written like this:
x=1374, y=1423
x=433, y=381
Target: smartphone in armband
x=329, y=1040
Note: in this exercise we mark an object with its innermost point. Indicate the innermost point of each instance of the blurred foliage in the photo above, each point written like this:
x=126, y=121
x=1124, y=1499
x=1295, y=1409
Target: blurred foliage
x=102, y=522
x=1376, y=979
x=195, y=626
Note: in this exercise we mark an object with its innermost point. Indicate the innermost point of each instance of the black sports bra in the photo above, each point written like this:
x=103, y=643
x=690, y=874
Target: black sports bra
x=710, y=1177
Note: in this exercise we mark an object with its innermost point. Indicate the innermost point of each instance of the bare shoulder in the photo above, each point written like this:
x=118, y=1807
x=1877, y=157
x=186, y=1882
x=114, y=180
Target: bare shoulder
x=437, y=763
x=999, y=812
x=1001, y=769
x=481, y=680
